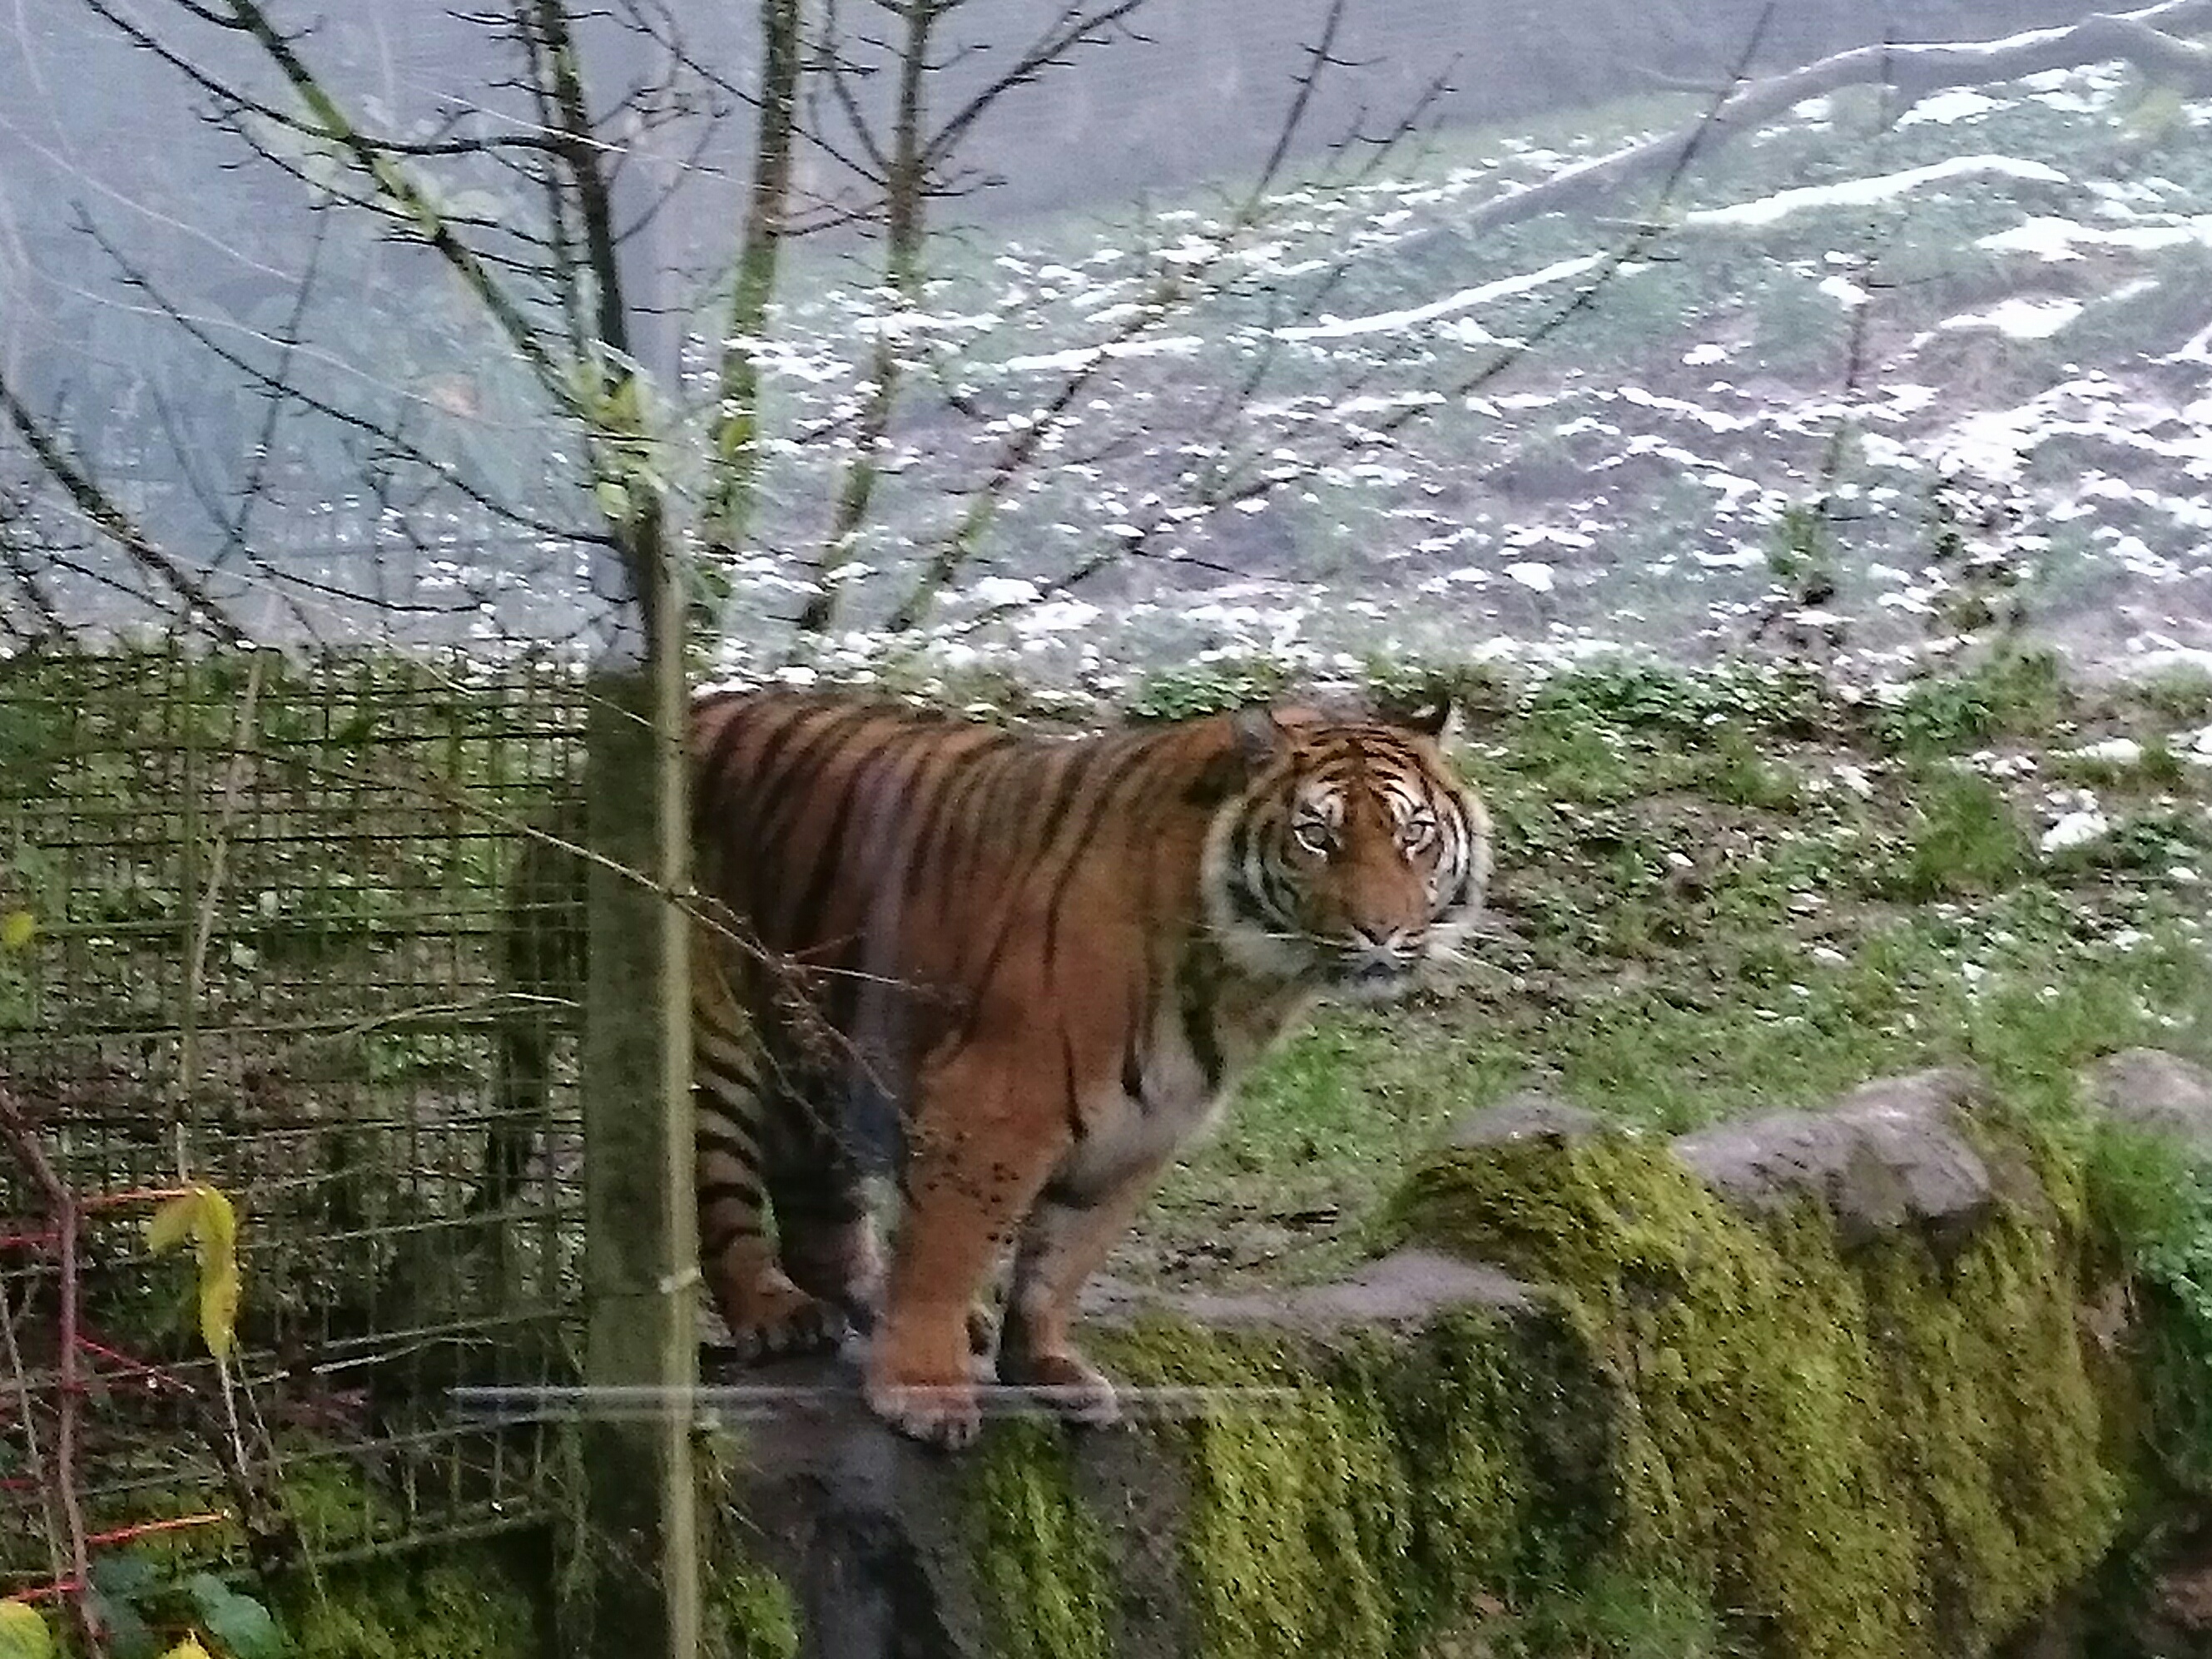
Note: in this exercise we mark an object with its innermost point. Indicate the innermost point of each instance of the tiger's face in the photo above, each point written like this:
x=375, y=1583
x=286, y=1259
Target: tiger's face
x=1353, y=859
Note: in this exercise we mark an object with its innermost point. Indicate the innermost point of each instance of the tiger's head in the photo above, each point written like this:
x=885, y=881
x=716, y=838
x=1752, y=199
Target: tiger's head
x=1349, y=857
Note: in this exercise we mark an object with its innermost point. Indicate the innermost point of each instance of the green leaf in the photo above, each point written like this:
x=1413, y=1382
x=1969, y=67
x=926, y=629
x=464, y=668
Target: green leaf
x=240, y=1625
x=24, y=1634
x=129, y=1635
x=17, y=929
x=124, y=1578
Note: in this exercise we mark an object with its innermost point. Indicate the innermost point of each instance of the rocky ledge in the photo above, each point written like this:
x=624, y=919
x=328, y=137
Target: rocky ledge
x=1866, y=1383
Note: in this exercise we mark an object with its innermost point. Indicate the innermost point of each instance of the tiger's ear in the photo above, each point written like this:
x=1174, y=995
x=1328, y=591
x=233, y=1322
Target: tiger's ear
x=1259, y=731
x=1425, y=708
x=1256, y=736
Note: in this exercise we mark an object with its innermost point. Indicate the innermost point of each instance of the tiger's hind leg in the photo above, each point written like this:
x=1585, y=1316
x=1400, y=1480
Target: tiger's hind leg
x=826, y=1224
x=824, y=1221
x=768, y=1312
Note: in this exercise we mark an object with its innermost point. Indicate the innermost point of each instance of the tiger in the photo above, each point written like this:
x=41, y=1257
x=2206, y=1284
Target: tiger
x=1022, y=972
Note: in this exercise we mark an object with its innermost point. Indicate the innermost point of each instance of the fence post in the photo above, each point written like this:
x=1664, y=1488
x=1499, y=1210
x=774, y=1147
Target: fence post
x=640, y=1540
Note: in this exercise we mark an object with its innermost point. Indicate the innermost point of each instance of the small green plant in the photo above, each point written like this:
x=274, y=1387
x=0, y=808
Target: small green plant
x=1628, y=693
x=1208, y=688
x=147, y=1611
x=2012, y=695
x=2179, y=694
x=2153, y=1202
x=2145, y=843
x=1738, y=772
x=1618, y=1615
x=1964, y=840
x=2153, y=768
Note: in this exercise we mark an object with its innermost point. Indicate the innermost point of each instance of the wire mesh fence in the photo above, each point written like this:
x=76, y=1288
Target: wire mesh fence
x=256, y=919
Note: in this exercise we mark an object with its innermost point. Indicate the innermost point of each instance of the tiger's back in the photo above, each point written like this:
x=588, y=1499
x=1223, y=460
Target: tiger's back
x=1027, y=970
x=922, y=872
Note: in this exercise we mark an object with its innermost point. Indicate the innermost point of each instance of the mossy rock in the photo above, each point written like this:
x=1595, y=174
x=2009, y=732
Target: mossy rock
x=1892, y=1448
x=1710, y=1427
x=483, y=1600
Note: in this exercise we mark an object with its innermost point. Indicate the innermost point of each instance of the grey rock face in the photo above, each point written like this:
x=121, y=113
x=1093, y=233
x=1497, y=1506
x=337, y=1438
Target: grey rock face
x=1525, y=1115
x=2157, y=1091
x=1890, y=1155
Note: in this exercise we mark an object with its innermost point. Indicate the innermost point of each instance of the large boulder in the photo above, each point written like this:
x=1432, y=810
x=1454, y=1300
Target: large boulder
x=1893, y=1154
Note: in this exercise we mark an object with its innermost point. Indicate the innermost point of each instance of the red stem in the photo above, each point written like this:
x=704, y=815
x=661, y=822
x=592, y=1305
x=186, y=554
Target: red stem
x=70, y=1392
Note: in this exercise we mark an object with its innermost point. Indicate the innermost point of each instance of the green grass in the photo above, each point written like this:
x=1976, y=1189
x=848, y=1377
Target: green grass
x=1693, y=920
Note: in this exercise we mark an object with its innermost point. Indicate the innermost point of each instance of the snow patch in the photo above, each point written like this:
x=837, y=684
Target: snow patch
x=2053, y=238
x=1959, y=104
x=2021, y=318
x=1389, y=322
x=1883, y=187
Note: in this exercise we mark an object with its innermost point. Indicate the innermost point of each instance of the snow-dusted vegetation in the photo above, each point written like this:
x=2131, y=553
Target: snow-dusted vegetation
x=1882, y=355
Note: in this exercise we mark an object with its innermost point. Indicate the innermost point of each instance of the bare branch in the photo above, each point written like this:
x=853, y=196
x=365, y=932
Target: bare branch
x=101, y=510
x=1913, y=70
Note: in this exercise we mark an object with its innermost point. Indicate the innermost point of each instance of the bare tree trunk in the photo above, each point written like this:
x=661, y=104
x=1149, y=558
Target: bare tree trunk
x=728, y=513
x=906, y=181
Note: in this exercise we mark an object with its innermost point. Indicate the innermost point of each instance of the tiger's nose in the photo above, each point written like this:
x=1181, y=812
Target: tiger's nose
x=1386, y=943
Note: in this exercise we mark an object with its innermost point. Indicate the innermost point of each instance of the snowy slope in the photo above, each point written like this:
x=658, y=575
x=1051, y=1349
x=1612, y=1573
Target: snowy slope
x=1879, y=363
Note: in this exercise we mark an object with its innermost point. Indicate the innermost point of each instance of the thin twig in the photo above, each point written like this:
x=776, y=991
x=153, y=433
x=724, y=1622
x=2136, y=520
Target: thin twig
x=69, y=1384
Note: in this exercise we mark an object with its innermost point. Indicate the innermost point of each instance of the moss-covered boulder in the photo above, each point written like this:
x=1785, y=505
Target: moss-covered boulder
x=1826, y=1392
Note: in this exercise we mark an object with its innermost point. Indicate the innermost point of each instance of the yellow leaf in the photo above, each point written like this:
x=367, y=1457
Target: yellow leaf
x=24, y=1634
x=205, y=1217
x=190, y=1648
x=171, y=1223
x=17, y=929
x=219, y=1296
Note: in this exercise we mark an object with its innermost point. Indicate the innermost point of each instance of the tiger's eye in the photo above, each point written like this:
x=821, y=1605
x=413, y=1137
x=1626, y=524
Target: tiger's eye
x=1313, y=835
x=1418, y=833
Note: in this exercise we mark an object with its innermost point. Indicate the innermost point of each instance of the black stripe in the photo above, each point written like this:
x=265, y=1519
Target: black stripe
x=1110, y=790
x=1198, y=1030
x=1076, y=768
x=1116, y=772
x=799, y=711
x=829, y=852
x=731, y=1068
x=712, y=767
x=728, y=1192
x=714, y=1243
x=963, y=777
x=817, y=1197
x=728, y=1145
x=792, y=792
x=1067, y=1082
x=1133, y=1074
x=1065, y=1194
x=1247, y=905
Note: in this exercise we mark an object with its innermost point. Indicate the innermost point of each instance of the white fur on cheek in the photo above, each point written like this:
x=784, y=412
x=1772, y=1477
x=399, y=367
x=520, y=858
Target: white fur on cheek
x=1449, y=932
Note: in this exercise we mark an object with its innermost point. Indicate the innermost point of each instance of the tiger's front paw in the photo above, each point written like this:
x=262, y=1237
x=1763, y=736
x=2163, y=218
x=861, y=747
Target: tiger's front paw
x=1068, y=1383
x=938, y=1413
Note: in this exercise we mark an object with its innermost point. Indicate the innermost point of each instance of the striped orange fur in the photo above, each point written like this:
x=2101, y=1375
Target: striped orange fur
x=1022, y=971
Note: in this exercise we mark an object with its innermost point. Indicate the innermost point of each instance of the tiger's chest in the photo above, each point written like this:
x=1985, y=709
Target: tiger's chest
x=1173, y=1083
